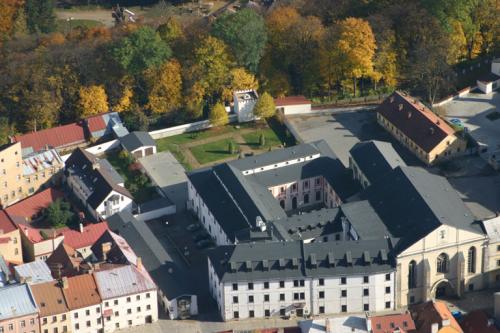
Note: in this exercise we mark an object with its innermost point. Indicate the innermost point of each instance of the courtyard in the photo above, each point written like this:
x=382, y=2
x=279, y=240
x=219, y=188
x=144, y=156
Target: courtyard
x=216, y=145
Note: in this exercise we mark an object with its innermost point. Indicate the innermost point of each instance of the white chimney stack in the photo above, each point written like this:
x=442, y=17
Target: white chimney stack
x=435, y=328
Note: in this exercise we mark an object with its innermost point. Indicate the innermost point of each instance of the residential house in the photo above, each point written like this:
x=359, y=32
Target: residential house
x=129, y=296
x=489, y=82
x=391, y=323
x=175, y=296
x=33, y=272
x=10, y=240
x=68, y=137
x=18, y=310
x=434, y=317
x=82, y=239
x=54, y=313
x=95, y=187
x=65, y=261
x=343, y=324
x=11, y=173
x=270, y=279
x=84, y=303
x=371, y=160
x=38, y=239
x=138, y=144
x=423, y=132
x=290, y=105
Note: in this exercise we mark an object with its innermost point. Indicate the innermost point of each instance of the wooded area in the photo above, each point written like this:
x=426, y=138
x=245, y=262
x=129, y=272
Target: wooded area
x=177, y=70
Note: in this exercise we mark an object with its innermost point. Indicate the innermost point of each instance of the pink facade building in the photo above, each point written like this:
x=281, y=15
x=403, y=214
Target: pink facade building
x=18, y=310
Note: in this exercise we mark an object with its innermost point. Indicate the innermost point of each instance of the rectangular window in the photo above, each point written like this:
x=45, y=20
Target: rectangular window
x=387, y=290
x=344, y=308
x=267, y=313
x=302, y=283
x=138, y=297
x=266, y=285
x=251, y=314
x=148, y=295
x=343, y=280
x=76, y=315
x=321, y=294
x=295, y=283
x=116, y=301
x=250, y=286
x=366, y=292
x=388, y=277
x=318, y=195
x=387, y=305
x=88, y=323
x=282, y=284
x=236, y=315
x=365, y=279
x=282, y=297
x=366, y=307
x=235, y=299
x=266, y=298
x=77, y=326
x=235, y=286
x=250, y=299
x=321, y=282
x=129, y=311
x=87, y=312
x=321, y=309
x=343, y=293
x=130, y=323
x=128, y=300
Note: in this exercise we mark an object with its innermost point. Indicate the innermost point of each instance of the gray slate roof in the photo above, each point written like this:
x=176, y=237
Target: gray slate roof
x=16, y=301
x=154, y=256
x=136, y=139
x=280, y=260
x=236, y=200
x=375, y=158
x=309, y=225
x=413, y=202
x=34, y=272
x=364, y=220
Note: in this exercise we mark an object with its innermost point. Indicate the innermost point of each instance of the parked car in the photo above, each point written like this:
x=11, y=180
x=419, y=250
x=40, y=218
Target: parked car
x=193, y=227
x=204, y=243
x=199, y=236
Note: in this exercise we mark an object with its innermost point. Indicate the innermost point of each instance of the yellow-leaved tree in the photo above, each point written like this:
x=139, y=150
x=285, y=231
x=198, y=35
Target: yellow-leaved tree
x=265, y=106
x=164, y=87
x=92, y=100
x=354, y=48
x=239, y=79
x=125, y=100
x=218, y=115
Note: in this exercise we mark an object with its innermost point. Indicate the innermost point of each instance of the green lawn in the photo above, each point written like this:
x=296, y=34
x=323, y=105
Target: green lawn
x=213, y=151
x=143, y=193
x=64, y=26
x=271, y=139
x=167, y=143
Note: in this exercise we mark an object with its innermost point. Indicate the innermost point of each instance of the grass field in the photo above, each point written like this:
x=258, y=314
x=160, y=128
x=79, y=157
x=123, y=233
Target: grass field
x=271, y=139
x=213, y=151
x=64, y=26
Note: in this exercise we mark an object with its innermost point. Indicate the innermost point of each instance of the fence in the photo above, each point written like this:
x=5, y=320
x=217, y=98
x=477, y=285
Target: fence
x=186, y=128
x=459, y=93
x=373, y=99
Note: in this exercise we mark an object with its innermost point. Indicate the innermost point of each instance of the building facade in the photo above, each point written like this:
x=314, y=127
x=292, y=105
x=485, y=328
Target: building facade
x=18, y=310
x=420, y=130
x=54, y=313
x=298, y=279
x=10, y=240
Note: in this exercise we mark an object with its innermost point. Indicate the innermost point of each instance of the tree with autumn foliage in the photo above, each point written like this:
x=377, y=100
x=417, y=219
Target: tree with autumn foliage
x=218, y=115
x=265, y=107
x=239, y=79
x=9, y=10
x=164, y=87
x=92, y=100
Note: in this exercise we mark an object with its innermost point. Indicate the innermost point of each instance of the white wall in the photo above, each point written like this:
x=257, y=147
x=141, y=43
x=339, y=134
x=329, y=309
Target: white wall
x=168, y=210
x=295, y=109
x=192, y=127
x=80, y=319
x=124, y=204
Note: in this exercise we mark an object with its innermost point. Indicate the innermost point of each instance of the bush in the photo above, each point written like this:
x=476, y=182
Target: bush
x=231, y=148
x=125, y=157
x=262, y=140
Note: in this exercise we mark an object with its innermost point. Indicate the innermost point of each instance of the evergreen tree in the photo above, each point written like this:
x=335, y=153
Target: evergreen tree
x=40, y=15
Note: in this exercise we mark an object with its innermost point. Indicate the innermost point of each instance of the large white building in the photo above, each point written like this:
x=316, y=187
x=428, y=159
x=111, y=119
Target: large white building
x=232, y=198
x=100, y=189
x=296, y=278
x=129, y=297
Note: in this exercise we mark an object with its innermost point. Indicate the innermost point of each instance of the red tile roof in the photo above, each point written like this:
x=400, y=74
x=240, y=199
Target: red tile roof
x=390, y=323
x=91, y=233
x=415, y=120
x=31, y=206
x=291, y=100
x=426, y=314
x=478, y=322
x=56, y=137
x=6, y=224
x=96, y=123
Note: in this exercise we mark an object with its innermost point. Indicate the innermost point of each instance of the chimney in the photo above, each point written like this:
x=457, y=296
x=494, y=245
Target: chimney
x=105, y=247
x=138, y=263
x=65, y=284
x=431, y=130
x=400, y=107
x=434, y=328
x=445, y=322
x=391, y=99
x=81, y=228
x=95, y=165
x=409, y=114
x=438, y=122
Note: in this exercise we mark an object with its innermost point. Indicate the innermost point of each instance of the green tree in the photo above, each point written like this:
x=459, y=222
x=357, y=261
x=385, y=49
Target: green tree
x=265, y=106
x=5, y=130
x=40, y=15
x=170, y=31
x=135, y=119
x=141, y=50
x=218, y=115
x=59, y=213
x=245, y=34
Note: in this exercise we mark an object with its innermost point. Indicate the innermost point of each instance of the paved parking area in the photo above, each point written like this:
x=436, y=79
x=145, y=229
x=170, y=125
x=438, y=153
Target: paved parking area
x=343, y=130
x=472, y=109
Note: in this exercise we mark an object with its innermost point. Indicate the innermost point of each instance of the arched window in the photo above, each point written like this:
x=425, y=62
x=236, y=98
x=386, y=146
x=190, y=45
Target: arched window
x=412, y=274
x=442, y=263
x=471, y=260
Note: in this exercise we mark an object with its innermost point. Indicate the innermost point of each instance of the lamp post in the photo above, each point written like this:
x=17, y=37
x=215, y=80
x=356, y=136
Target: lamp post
x=69, y=19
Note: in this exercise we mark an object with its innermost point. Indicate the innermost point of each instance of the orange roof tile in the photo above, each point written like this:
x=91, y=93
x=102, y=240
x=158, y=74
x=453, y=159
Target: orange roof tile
x=390, y=323
x=291, y=100
x=56, y=137
x=96, y=123
x=90, y=234
x=431, y=312
x=81, y=292
x=6, y=224
x=49, y=298
x=31, y=206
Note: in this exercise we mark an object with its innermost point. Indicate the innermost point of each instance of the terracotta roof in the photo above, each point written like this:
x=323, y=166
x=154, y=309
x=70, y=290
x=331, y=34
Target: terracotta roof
x=415, y=120
x=6, y=224
x=49, y=298
x=90, y=234
x=478, y=322
x=81, y=292
x=31, y=206
x=64, y=261
x=390, y=323
x=426, y=314
x=55, y=137
x=96, y=123
x=291, y=100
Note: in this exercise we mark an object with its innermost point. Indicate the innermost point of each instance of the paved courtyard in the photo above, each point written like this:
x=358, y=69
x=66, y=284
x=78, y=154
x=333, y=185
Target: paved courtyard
x=472, y=109
x=343, y=130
